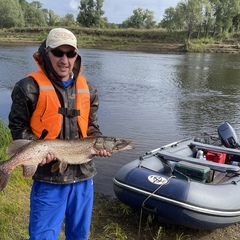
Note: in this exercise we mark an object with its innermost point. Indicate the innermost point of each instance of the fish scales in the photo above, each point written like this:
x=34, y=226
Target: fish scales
x=29, y=153
x=35, y=151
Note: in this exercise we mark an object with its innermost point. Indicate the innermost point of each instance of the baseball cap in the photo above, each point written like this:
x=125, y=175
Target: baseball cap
x=61, y=36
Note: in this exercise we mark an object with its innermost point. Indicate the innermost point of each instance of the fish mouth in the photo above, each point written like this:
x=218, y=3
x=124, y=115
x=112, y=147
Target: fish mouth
x=124, y=146
x=129, y=147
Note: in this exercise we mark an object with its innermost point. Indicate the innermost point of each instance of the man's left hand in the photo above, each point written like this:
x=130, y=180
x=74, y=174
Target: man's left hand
x=104, y=153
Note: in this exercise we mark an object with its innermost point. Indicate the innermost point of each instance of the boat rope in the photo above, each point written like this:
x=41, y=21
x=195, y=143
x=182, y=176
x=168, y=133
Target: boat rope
x=141, y=211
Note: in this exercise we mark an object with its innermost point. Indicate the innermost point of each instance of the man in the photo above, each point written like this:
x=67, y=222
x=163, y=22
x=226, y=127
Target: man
x=57, y=102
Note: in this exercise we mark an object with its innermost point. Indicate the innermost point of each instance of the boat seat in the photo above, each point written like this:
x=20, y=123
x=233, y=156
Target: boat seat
x=165, y=155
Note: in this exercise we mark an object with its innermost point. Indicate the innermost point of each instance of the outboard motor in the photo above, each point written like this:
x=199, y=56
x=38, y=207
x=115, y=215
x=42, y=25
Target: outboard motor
x=228, y=135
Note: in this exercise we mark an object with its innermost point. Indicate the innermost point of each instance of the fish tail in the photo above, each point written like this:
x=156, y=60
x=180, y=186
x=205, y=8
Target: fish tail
x=4, y=177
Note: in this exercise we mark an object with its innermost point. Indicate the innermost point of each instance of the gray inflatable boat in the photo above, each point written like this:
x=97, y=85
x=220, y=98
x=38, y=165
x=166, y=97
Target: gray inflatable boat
x=193, y=182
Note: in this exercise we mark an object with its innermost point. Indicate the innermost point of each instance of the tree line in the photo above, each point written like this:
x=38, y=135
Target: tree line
x=215, y=16
x=20, y=13
x=203, y=16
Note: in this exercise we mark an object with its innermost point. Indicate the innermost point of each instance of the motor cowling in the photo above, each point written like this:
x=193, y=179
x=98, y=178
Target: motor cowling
x=228, y=135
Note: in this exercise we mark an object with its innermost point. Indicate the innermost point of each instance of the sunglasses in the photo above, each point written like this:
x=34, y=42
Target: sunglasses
x=59, y=53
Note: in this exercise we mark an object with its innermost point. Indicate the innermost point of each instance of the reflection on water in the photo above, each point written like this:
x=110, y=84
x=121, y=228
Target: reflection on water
x=15, y=63
x=153, y=99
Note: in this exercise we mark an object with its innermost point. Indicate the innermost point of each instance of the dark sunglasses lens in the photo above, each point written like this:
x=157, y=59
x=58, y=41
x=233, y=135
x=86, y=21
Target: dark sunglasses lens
x=59, y=53
x=71, y=54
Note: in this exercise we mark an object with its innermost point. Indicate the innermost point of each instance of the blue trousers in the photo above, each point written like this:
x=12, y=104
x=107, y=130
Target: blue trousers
x=50, y=204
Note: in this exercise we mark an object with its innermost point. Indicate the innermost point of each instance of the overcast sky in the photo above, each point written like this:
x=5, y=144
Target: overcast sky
x=115, y=10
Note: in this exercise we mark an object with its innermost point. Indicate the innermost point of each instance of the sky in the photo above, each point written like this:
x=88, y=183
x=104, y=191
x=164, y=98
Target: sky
x=116, y=11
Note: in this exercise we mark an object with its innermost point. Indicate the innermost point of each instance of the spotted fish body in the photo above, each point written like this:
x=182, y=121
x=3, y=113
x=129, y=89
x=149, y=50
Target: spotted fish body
x=29, y=153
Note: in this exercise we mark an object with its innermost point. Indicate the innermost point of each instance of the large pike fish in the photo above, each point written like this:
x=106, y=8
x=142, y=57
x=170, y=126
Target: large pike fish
x=29, y=153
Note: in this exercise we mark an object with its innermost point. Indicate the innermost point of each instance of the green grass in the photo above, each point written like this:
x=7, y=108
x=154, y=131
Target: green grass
x=14, y=199
x=5, y=139
x=111, y=219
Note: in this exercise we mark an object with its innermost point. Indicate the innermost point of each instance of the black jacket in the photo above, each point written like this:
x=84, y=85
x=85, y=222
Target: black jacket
x=24, y=100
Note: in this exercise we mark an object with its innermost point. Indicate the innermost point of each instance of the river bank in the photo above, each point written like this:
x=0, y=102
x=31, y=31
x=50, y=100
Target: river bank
x=150, y=47
x=126, y=40
x=111, y=217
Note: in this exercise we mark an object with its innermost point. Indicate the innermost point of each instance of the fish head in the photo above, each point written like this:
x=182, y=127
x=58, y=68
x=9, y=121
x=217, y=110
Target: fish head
x=112, y=144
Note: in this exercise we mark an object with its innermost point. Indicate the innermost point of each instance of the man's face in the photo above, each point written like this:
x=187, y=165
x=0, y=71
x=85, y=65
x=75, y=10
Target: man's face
x=62, y=59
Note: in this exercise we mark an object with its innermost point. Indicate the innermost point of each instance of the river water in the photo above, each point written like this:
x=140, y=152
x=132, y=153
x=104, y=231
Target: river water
x=153, y=99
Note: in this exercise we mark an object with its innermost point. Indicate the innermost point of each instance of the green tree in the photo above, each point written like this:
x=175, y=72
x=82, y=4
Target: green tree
x=90, y=13
x=207, y=18
x=52, y=19
x=11, y=14
x=236, y=22
x=67, y=20
x=224, y=12
x=193, y=14
x=169, y=19
x=140, y=19
x=149, y=21
x=23, y=4
x=34, y=14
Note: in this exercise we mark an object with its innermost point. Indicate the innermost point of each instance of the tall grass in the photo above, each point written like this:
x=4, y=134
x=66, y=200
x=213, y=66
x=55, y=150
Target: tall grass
x=5, y=139
x=111, y=219
x=14, y=199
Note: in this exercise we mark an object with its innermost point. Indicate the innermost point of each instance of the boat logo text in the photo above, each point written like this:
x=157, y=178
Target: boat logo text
x=155, y=179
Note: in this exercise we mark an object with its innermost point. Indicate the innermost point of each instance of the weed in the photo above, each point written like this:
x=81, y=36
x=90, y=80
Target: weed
x=114, y=231
x=159, y=234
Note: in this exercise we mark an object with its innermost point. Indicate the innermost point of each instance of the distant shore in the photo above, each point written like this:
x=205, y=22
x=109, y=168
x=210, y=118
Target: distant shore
x=142, y=47
x=150, y=47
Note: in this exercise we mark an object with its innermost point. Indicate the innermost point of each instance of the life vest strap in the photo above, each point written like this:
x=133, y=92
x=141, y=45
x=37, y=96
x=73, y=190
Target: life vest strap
x=44, y=134
x=69, y=112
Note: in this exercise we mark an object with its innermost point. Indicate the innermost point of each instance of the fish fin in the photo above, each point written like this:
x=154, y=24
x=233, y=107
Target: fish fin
x=16, y=145
x=29, y=170
x=62, y=166
x=55, y=166
x=4, y=177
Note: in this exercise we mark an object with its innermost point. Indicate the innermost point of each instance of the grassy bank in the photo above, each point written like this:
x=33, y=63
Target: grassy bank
x=155, y=40
x=111, y=219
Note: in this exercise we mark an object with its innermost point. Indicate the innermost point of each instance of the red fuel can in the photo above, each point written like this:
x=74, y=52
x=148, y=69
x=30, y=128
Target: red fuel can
x=216, y=157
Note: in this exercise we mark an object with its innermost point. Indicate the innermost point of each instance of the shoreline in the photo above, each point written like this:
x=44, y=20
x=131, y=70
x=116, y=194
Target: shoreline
x=150, y=47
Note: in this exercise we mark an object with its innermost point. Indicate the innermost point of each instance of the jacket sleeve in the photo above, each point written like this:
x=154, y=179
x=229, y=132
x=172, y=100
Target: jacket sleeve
x=93, y=128
x=24, y=99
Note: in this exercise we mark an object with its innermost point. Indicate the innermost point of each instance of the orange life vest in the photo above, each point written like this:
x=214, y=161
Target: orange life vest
x=46, y=116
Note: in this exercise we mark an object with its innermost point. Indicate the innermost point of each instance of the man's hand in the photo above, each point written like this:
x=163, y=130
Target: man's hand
x=104, y=153
x=48, y=159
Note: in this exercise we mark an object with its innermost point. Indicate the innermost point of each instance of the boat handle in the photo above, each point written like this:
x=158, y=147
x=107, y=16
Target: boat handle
x=149, y=210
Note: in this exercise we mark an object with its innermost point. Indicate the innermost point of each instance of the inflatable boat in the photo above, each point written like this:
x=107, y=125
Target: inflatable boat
x=194, y=182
